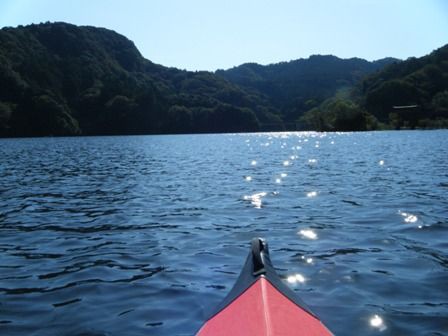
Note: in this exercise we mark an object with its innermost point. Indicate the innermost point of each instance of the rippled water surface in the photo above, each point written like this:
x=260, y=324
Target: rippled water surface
x=144, y=235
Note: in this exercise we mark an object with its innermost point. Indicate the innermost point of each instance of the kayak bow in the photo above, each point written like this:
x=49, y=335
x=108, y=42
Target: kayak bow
x=261, y=304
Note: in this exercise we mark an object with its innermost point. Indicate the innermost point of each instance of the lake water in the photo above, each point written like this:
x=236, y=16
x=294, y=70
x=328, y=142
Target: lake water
x=144, y=235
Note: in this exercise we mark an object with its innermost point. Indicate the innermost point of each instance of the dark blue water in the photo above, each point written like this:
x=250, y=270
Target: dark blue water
x=143, y=235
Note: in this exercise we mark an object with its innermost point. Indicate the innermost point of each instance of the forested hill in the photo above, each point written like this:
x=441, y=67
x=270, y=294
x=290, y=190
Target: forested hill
x=62, y=79
x=407, y=94
x=297, y=86
x=418, y=82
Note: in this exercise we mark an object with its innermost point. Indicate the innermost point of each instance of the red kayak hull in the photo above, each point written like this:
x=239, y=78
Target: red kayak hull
x=260, y=304
x=262, y=310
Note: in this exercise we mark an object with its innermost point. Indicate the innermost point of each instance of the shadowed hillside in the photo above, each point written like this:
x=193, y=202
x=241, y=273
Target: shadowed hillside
x=407, y=94
x=61, y=79
x=296, y=86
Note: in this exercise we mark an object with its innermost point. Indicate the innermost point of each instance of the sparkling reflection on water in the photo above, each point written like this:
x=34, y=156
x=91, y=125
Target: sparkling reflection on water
x=143, y=235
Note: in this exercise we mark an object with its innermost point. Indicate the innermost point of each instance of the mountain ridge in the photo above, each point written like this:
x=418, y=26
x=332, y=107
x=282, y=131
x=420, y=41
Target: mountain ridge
x=290, y=85
x=63, y=79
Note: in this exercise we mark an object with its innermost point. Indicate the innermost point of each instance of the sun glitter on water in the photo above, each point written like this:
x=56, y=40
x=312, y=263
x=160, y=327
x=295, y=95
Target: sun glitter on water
x=308, y=233
x=377, y=322
x=311, y=194
x=408, y=217
x=296, y=278
x=255, y=199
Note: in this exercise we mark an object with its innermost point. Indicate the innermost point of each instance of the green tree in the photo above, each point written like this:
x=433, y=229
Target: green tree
x=347, y=116
x=338, y=115
x=49, y=117
x=119, y=115
x=439, y=104
x=5, y=116
x=179, y=120
x=392, y=93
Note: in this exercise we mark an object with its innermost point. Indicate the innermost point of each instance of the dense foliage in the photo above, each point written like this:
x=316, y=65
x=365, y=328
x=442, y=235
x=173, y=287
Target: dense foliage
x=295, y=87
x=61, y=79
x=408, y=94
x=419, y=83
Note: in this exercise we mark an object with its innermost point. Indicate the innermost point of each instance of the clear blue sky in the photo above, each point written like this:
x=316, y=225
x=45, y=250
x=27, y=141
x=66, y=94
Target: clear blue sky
x=213, y=34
